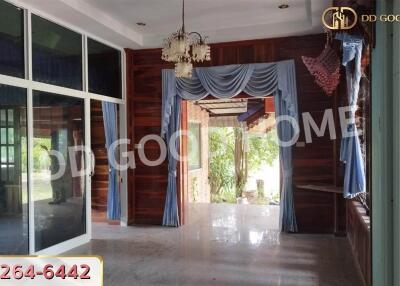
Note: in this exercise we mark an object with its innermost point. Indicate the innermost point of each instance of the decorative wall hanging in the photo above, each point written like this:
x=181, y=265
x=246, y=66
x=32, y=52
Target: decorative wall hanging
x=325, y=68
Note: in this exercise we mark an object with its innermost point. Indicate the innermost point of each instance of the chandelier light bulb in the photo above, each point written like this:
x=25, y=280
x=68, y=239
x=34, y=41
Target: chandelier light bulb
x=201, y=52
x=183, y=48
x=180, y=47
x=183, y=69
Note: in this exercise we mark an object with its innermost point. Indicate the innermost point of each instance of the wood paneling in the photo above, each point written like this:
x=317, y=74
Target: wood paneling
x=100, y=176
x=312, y=163
x=328, y=202
x=359, y=235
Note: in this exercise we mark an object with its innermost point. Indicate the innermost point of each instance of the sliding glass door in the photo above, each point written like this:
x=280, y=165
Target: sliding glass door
x=49, y=74
x=58, y=172
x=13, y=171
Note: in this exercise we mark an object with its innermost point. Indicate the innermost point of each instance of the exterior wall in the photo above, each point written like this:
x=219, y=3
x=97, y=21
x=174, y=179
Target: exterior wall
x=199, y=189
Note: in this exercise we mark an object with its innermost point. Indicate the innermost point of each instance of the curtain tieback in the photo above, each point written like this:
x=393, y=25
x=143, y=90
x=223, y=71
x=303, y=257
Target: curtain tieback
x=172, y=173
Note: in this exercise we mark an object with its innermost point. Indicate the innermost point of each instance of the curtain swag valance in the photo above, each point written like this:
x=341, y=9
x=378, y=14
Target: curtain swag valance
x=257, y=80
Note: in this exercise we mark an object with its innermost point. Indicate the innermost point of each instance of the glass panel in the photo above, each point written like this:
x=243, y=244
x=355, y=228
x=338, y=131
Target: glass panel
x=56, y=54
x=10, y=117
x=13, y=182
x=4, y=176
x=3, y=135
x=11, y=40
x=11, y=154
x=10, y=136
x=3, y=117
x=59, y=191
x=11, y=173
x=3, y=154
x=104, y=69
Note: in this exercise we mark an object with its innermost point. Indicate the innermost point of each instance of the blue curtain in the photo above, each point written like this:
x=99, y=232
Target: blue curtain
x=350, y=153
x=286, y=105
x=171, y=215
x=287, y=218
x=257, y=80
x=111, y=132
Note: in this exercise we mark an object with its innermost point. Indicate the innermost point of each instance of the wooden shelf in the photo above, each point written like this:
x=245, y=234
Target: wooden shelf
x=322, y=188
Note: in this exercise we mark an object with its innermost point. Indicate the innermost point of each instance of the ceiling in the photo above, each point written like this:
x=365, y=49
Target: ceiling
x=228, y=107
x=221, y=20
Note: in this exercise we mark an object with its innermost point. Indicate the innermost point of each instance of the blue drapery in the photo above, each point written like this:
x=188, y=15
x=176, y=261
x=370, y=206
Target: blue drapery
x=171, y=215
x=111, y=132
x=257, y=80
x=350, y=153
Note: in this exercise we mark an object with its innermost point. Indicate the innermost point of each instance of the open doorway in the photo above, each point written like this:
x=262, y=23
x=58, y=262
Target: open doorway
x=233, y=155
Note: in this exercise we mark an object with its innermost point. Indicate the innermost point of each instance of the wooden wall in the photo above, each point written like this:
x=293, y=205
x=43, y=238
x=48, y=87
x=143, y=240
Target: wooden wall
x=359, y=236
x=314, y=163
x=100, y=178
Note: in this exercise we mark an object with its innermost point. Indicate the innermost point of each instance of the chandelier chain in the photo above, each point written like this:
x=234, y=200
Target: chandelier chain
x=183, y=16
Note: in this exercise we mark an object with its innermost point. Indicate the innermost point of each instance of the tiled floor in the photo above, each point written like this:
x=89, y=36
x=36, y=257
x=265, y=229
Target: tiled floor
x=222, y=245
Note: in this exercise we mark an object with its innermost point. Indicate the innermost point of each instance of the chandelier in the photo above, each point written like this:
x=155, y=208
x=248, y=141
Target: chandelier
x=183, y=49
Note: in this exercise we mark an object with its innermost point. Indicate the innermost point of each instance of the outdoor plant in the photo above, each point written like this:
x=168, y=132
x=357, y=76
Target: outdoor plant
x=221, y=161
x=241, y=161
x=228, y=181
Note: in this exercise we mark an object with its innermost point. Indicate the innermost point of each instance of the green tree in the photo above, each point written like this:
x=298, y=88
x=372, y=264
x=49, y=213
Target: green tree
x=241, y=161
x=252, y=152
x=263, y=149
x=221, y=161
x=41, y=159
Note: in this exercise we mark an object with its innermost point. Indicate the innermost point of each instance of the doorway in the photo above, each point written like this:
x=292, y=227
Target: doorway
x=233, y=156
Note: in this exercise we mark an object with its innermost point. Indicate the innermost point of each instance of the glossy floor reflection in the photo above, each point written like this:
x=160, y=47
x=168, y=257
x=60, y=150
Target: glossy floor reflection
x=222, y=245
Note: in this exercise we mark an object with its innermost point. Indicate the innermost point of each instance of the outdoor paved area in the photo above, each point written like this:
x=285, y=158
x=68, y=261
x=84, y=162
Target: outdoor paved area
x=222, y=245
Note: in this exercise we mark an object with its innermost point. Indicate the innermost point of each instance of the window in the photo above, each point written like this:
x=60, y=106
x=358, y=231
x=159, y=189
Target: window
x=7, y=144
x=58, y=125
x=194, y=142
x=104, y=69
x=13, y=171
x=56, y=54
x=11, y=40
x=60, y=58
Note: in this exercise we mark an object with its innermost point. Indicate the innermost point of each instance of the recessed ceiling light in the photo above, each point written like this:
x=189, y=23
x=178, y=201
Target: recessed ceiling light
x=283, y=6
x=141, y=24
